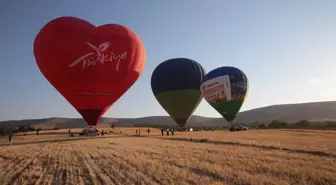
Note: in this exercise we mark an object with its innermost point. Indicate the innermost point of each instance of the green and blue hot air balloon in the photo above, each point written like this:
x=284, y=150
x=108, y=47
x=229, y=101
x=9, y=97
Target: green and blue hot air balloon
x=176, y=86
x=225, y=89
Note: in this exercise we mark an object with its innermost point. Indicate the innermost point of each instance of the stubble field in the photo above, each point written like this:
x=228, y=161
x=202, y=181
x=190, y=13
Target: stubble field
x=220, y=157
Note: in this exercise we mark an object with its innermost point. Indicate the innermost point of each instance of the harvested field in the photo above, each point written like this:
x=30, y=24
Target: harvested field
x=221, y=157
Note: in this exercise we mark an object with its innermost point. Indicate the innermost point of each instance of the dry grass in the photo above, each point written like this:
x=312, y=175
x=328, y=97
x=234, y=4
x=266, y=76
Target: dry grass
x=252, y=157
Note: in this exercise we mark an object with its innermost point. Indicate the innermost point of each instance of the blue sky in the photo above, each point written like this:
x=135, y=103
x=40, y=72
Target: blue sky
x=286, y=48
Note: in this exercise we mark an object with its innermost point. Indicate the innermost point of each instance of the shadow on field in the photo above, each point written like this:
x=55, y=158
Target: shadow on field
x=204, y=140
x=316, y=153
x=63, y=140
x=44, y=133
x=210, y=174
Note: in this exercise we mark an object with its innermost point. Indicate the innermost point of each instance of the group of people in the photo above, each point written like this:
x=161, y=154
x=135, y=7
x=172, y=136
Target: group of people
x=172, y=130
x=87, y=131
x=138, y=131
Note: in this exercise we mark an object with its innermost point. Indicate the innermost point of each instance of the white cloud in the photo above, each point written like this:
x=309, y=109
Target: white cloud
x=313, y=81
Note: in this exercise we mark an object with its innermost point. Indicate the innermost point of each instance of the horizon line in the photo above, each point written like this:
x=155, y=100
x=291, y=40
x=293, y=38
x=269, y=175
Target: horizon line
x=170, y=116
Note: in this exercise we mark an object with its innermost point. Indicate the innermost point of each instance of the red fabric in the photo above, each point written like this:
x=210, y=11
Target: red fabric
x=92, y=67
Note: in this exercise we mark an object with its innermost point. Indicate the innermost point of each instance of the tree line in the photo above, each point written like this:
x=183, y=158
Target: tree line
x=20, y=129
x=303, y=124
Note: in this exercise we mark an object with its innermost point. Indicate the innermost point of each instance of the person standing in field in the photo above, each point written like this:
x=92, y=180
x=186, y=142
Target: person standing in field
x=10, y=135
x=102, y=133
x=148, y=131
x=162, y=131
x=167, y=131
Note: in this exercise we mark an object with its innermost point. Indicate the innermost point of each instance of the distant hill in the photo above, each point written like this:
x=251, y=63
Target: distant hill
x=315, y=111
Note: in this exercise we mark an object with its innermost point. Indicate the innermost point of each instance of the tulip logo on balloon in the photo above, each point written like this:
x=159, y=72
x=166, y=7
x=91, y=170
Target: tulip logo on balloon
x=225, y=89
x=91, y=59
x=110, y=59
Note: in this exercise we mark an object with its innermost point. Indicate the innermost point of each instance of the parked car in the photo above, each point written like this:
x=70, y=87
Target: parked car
x=237, y=128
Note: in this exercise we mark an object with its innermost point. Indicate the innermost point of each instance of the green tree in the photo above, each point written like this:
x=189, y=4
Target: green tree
x=2, y=131
x=302, y=124
x=21, y=129
x=29, y=128
x=330, y=124
x=278, y=124
x=262, y=126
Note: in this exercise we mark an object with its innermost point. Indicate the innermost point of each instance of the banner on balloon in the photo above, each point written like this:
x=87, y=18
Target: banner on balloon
x=225, y=89
x=217, y=89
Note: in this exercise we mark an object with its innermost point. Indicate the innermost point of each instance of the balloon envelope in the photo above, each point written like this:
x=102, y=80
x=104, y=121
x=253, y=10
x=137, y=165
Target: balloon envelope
x=175, y=84
x=225, y=89
x=92, y=67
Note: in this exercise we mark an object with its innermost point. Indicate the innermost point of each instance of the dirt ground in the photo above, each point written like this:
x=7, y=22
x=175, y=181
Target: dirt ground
x=220, y=157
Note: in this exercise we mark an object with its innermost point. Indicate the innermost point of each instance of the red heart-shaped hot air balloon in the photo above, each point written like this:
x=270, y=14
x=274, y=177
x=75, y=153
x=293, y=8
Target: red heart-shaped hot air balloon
x=92, y=67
